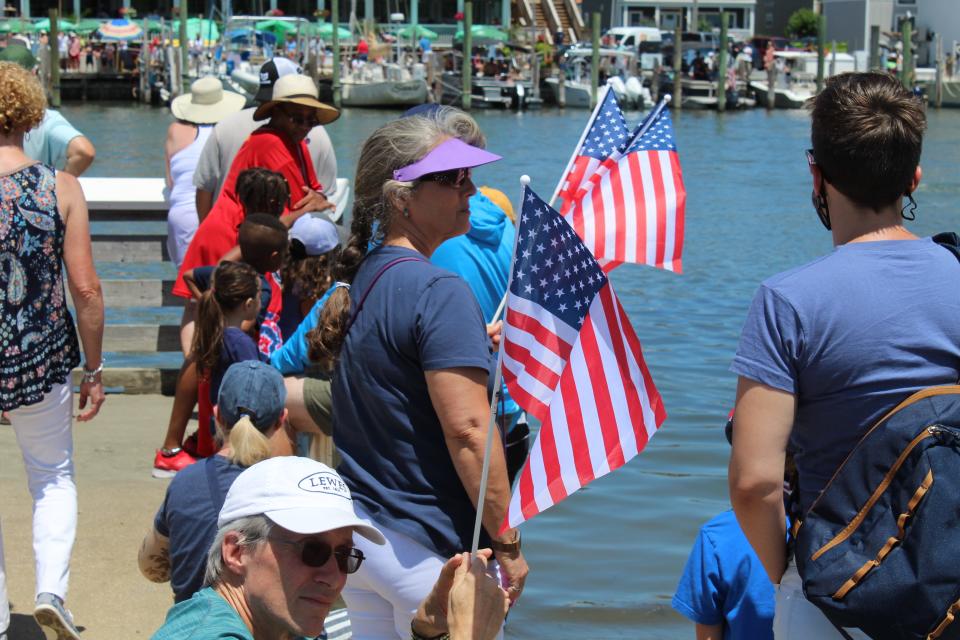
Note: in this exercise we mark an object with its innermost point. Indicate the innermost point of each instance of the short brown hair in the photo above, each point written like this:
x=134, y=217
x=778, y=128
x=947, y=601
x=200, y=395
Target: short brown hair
x=22, y=100
x=867, y=134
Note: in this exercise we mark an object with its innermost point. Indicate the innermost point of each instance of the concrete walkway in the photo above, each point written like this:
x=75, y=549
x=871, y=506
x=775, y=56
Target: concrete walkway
x=118, y=499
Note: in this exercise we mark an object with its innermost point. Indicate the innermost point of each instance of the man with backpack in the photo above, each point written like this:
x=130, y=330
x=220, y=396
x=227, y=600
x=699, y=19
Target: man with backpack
x=830, y=347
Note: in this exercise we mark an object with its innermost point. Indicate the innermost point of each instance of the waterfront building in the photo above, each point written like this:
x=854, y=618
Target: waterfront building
x=667, y=14
x=772, y=15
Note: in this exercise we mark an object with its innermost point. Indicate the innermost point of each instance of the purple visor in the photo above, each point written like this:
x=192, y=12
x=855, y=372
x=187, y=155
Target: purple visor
x=449, y=154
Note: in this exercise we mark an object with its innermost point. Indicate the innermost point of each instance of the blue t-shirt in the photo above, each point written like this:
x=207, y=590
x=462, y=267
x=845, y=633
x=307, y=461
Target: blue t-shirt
x=237, y=346
x=724, y=583
x=293, y=357
x=482, y=258
x=48, y=142
x=205, y=616
x=852, y=334
x=417, y=318
x=188, y=517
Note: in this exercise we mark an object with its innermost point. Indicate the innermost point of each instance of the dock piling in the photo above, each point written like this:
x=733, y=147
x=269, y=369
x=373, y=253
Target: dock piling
x=335, y=21
x=722, y=64
x=184, y=49
x=874, y=48
x=467, y=72
x=821, y=42
x=906, y=37
x=54, y=58
x=677, y=67
x=938, y=89
x=595, y=58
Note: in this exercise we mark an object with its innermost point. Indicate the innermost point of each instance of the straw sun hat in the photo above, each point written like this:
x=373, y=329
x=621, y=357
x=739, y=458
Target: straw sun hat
x=297, y=89
x=207, y=102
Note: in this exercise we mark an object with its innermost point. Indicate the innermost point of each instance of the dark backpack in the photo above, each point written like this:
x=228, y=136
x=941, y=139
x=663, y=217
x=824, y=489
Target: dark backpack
x=879, y=550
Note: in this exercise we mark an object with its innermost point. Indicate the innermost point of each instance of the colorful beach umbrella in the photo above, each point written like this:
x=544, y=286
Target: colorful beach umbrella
x=120, y=29
x=325, y=30
x=421, y=32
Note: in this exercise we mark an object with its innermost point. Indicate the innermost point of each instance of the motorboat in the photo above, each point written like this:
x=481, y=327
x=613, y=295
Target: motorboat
x=702, y=94
x=383, y=84
x=797, y=84
x=618, y=66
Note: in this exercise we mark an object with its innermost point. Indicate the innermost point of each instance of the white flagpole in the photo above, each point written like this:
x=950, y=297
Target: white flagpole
x=525, y=183
x=593, y=117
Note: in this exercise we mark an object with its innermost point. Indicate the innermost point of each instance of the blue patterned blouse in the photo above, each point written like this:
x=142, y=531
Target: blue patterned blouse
x=37, y=335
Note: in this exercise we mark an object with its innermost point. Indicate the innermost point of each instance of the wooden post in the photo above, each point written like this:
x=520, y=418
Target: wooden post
x=875, y=48
x=184, y=48
x=821, y=40
x=466, y=100
x=906, y=33
x=938, y=90
x=772, y=85
x=562, y=89
x=595, y=58
x=833, y=58
x=677, y=102
x=54, y=58
x=335, y=20
x=535, y=78
x=722, y=65
x=144, y=65
x=431, y=94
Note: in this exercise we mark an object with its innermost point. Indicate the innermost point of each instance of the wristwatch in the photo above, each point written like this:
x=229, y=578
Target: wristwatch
x=507, y=547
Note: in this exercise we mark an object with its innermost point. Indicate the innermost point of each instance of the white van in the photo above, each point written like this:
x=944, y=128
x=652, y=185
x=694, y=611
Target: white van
x=645, y=42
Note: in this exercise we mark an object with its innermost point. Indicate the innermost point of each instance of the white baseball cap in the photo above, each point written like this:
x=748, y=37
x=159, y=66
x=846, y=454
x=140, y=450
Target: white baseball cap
x=298, y=494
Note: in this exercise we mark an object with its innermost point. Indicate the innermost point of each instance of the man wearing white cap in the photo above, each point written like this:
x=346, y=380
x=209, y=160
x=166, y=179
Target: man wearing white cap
x=230, y=134
x=283, y=549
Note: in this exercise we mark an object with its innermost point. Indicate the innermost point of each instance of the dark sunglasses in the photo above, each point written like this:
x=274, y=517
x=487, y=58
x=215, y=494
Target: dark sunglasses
x=314, y=553
x=451, y=178
x=302, y=121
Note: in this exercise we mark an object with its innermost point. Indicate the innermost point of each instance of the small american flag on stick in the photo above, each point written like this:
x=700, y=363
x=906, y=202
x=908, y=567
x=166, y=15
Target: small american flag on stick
x=572, y=360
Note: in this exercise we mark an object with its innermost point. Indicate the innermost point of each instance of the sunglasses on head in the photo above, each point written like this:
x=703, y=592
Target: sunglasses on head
x=450, y=178
x=314, y=553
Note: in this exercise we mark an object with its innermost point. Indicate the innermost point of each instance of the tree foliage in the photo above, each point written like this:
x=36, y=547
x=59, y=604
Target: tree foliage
x=802, y=23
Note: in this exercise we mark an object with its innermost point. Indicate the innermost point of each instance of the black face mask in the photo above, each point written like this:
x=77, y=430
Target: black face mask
x=820, y=204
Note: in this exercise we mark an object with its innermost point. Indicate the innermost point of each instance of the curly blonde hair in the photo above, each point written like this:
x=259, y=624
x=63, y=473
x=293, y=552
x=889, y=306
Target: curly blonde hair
x=22, y=100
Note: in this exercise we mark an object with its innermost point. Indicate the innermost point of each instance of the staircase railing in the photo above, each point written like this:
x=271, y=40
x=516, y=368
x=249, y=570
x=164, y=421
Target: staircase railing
x=576, y=19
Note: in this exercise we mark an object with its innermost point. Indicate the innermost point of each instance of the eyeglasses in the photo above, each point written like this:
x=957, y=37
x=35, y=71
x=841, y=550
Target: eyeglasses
x=454, y=178
x=314, y=553
x=302, y=121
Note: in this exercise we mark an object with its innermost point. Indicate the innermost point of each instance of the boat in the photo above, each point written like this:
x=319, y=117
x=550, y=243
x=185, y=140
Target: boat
x=618, y=65
x=798, y=84
x=383, y=84
x=702, y=94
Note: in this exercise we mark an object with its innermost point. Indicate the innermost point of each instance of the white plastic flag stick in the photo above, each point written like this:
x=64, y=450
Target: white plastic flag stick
x=524, y=182
x=576, y=149
x=503, y=303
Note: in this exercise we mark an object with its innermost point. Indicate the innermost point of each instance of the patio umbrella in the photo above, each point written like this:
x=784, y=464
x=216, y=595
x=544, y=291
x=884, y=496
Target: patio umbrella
x=120, y=29
x=7, y=27
x=277, y=27
x=421, y=32
x=44, y=25
x=325, y=30
x=87, y=26
x=483, y=34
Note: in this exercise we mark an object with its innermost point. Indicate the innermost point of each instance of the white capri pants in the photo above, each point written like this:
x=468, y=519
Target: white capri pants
x=44, y=433
x=383, y=596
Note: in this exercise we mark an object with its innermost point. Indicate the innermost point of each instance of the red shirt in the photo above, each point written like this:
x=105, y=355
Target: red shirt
x=217, y=234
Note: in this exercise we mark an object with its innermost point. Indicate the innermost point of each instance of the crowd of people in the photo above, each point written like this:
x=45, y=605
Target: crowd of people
x=308, y=347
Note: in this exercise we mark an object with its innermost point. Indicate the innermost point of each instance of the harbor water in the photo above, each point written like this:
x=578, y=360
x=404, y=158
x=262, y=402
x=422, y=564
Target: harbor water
x=605, y=563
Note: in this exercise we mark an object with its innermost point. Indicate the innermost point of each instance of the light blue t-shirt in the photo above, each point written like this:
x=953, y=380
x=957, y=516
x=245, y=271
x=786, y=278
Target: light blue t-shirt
x=852, y=334
x=47, y=143
x=724, y=583
x=205, y=616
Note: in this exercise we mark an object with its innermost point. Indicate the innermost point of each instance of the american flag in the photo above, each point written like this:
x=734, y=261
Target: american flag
x=632, y=208
x=572, y=360
x=607, y=132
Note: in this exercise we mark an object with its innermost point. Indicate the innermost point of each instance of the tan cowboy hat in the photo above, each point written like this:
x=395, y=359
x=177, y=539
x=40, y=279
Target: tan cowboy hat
x=207, y=102
x=298, y=89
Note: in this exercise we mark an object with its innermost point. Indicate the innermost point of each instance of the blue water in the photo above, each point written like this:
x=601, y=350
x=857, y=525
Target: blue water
x=604, y=563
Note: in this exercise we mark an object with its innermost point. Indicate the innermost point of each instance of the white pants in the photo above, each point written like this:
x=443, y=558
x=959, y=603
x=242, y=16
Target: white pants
x=798, y=618
x=383, y=596
x=44, y=433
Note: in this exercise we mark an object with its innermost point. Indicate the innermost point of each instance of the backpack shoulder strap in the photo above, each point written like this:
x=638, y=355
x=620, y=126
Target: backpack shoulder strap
x=373, y=282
